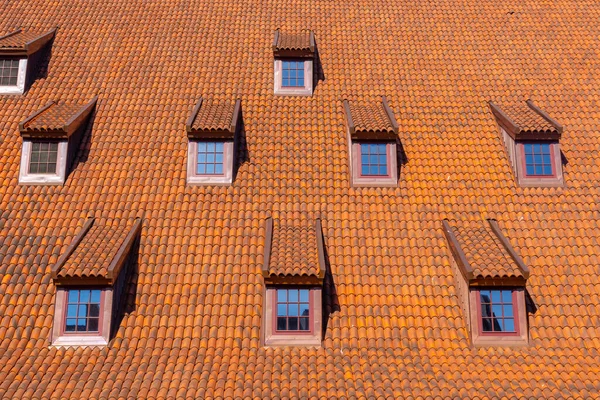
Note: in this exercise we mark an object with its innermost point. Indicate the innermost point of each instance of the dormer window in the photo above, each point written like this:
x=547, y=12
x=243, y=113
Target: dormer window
x=373, y=136
x=532, y=140
x=19, y=52
x=90, y=278
x=490, y=280
x=293, y=270
x=212, y=139
x=293, y=63
x=51, y=137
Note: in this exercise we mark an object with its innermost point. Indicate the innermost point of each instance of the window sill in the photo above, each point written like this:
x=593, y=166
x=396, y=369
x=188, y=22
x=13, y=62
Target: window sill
x=41, y=180
x=209, y=181
x=11, y=90
x=79, y=341
x=278, y=340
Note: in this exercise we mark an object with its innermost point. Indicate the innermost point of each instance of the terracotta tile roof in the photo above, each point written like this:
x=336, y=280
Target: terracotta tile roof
x=98, y=251
x=294, y=249
x=487, y=257
x=394, y=323
x=25, y=42
x=61, y=118
x=211, y=116
x=365, y=118
x=526, y=120
x=293, y=41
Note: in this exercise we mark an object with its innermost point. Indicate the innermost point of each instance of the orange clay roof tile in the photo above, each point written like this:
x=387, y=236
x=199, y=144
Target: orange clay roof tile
x=393, y=322
x=526, y=118
x=293, y=41
x=17, y=40
x=214, y=115
x=294, y=249
x=371, y=117
x=24, y=42
x=55, y=116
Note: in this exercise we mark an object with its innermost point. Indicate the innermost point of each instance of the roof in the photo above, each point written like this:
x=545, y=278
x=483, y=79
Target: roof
x=294, y=249
x=97, y=253
x=483, y=252
x=300, y=43
x=524, y=120
x=21, y=42
x=214, y=117
x=394, y=326
x=370, y=119
x=56, y=119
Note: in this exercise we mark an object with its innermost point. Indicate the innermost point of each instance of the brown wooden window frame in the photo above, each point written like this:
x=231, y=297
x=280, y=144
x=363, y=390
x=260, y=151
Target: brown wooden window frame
x=60, y=337
x=487, y=338
x=274, y=337
x=556, y=179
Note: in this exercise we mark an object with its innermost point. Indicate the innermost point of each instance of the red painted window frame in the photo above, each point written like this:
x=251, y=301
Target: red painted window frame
x=63, y=327
x=516, y=317
x=311, y=312
x=521, y=145
x=226, y=154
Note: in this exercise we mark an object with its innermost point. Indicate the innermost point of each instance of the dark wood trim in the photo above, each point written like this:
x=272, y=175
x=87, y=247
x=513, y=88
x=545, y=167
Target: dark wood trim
x=311, y=41
x=292, y=279
x=559, y=128
x=65, y=256
x=120, y=257
x=504, y=120
x=320, y=248
x=22, y=128
x=190, y=121
x=275, y=40
x=390, y=114
x=460, y=257
x=81, y=281
x=511, y=281
x=518, y=260
x=35, y=44
x=268, y=243
x=349, y=120
x=79, y=117
x=236, y=116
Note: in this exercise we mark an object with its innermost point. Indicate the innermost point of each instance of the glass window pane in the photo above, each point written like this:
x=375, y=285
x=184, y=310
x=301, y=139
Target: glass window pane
x=93, y=325
x=304, y=295
x=210, y=168
x=95, y=296
x=509, y=325
x=84, y=296
x=73, y=296
x=496, y=296
x=281, y=310
x=72, y=311
x=485, y=296
x=82, y=311
x=497, y=310
x=94, y=310
x=281, y=323
x=293, y=296
x=507, y=296
x=70, y=326
x=293, y=310
x=219, y=147
x=293, y=324
x=201, y=147
x=304, y=309
x=219, y=169
x=81, y=325
x=303, y=324
x=281, y=295
x=210, y=147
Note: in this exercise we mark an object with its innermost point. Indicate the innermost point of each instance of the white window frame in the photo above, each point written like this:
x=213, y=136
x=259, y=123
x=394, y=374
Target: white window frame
x=58, y=178
x=300, y=91
x=20, y=87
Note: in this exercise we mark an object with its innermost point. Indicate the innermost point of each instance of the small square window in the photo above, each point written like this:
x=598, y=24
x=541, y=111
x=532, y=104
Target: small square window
x=9, y=72
x=292, y=316
x=83, y=311
x=12, y=75
x=293, y=310
x=538, y=159
x=210, y=157
x=374, y=159
x=210, y=162
x=82, y=316
x=292, y=73
x=497, y=311
x=374, y=163
x=43, y=157
x=293, y=77
x=498, y=316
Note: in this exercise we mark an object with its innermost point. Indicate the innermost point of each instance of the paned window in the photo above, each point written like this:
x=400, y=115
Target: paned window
x=538, y=159
x=209, y=159
x=292, y=73
x=497, y=311
x=83, y=310
x=9, y=72
x=373, y=159
x=293, y=310
x=43, y=157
